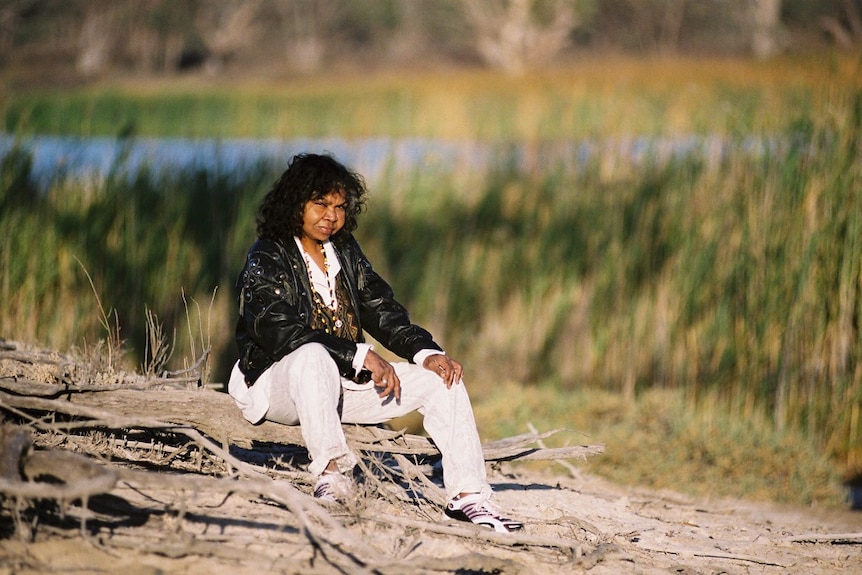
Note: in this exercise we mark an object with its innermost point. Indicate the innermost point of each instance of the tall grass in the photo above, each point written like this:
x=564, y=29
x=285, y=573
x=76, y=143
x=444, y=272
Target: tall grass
x=588, y=99
x=161, y=242
x=734, y=277
x=727, y=278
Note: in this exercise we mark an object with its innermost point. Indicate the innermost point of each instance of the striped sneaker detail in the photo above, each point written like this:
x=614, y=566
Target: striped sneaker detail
x=333, y=488
x=478, y=509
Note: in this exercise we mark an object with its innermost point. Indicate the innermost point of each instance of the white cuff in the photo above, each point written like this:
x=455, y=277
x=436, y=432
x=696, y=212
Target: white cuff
x=362, y=350
x=424, y=354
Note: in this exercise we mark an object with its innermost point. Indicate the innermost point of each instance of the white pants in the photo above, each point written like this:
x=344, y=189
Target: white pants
x=306, y=388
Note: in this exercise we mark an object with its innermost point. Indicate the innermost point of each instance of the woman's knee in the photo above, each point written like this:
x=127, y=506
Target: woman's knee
x=430, y=385
x=311, y=352
x=312, y=365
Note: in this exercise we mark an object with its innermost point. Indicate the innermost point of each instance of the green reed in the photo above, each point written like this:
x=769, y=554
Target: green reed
x=162, y=242
x=728, y=275
x=734, y=275
x=598, y=98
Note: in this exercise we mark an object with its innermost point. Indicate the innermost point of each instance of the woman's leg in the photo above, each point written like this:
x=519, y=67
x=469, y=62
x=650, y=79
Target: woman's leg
x=305, y=390
x=448, y=419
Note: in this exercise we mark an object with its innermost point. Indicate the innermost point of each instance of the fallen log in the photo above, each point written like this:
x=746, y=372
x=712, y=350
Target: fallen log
x=215, y=415
x=176, y=400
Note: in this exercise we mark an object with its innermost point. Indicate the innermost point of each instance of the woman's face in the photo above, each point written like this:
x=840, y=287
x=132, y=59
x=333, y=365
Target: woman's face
x=324, y=217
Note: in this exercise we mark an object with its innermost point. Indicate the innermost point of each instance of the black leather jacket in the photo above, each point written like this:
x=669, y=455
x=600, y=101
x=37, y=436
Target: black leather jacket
x=275, y=308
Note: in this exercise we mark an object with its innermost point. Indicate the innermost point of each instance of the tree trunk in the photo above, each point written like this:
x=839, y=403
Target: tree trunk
x=766, y=19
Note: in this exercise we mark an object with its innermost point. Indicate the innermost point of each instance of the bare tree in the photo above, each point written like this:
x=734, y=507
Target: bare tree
x=154, y=33
x=765, y=27
x=142, y=34
x=658, y=23
x=671, y=24
x=10, y=18
x=306, y=25
x=512, y=34
x=410, y=38
x=226, y=27
x=846, y=30
x=97, y=37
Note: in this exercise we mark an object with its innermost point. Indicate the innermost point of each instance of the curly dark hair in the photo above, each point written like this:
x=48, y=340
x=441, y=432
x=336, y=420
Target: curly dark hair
x=308, y=177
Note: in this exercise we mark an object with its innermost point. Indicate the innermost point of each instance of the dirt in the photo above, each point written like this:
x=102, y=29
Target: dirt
x=601, y=529
x=186, y=504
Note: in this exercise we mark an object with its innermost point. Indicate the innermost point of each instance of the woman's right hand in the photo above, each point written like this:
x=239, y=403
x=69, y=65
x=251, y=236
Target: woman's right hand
x=383, y=375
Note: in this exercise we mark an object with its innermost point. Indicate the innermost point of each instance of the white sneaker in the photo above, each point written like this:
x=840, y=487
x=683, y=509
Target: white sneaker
x=333, y=488
x=478, y=509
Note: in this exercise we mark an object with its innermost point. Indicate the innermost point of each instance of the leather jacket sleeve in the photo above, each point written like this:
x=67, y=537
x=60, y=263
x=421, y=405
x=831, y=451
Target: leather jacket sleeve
x=384, y=318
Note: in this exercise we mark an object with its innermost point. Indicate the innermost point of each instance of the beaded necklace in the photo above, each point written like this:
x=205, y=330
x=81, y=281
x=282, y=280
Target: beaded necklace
x=332, y=305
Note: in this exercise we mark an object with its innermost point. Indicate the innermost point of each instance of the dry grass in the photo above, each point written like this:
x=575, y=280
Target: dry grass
x=728, y=277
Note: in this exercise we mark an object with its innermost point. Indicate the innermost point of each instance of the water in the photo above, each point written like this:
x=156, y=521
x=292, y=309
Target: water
x=61, y=156
x=65, y=156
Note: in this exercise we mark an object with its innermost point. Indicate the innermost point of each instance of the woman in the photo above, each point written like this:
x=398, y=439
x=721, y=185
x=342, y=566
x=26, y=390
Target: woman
x=307, y=296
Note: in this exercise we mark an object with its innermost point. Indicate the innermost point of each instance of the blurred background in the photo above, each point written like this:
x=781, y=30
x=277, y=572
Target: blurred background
x=62, y=41
x=640, y=220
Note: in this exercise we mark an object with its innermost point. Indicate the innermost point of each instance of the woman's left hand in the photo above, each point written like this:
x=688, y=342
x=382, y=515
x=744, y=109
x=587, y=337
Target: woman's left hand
x=444, y=366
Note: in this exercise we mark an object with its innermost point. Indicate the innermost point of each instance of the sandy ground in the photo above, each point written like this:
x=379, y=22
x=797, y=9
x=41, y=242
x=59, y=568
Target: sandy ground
x=599, y=528
x=176, y=512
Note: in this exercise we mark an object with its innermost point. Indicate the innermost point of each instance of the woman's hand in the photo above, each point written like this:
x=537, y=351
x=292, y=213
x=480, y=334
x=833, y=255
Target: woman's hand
x=444, y=366
x=383, y=375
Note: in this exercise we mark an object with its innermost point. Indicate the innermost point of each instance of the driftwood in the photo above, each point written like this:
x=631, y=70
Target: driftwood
x=169, y=399
x=215, y=415
x=827, y=538
x=172, y=423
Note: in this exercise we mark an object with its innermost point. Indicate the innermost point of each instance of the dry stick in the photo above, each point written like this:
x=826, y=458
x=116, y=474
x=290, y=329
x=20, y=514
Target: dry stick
x=32, y=388
x=81, y=478
x=280, y=492
x=367, y=438
x=538, y=454
x=370, y=475
x=28, y=387
x=572, y=469
x=713, y=555
x=438, y=498
x=519, y=447
x=106, y=418
x=433, y=493
x=67, y=492
x=411, y=473
x=474, y=532
x=522, y=440
x=825, y=538
x=194, y=367
x=296, y=502
x=404, y=474
x=33, y=357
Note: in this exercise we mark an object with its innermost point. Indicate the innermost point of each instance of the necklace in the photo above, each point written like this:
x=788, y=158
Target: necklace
x=332, y=304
